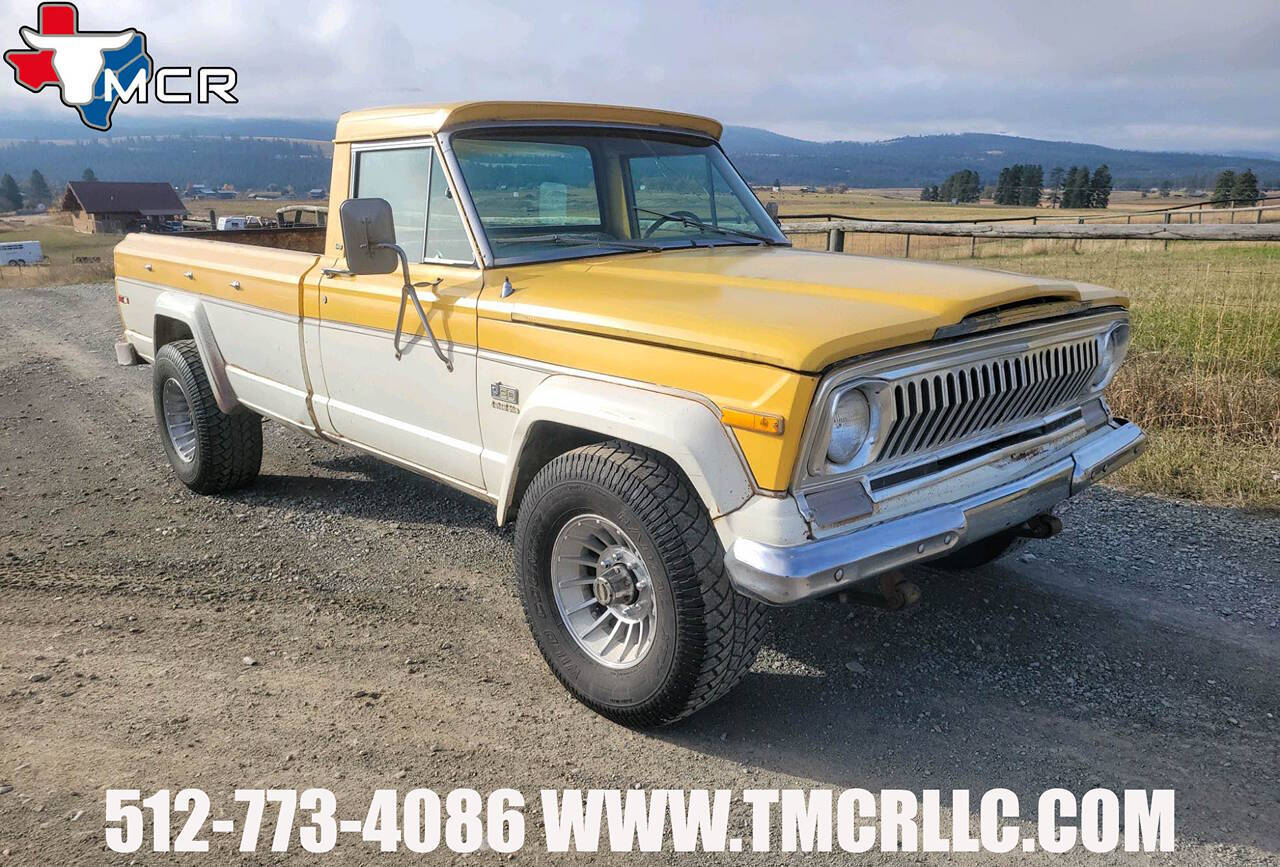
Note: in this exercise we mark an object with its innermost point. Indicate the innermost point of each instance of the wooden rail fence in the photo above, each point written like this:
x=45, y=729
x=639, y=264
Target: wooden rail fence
x=836, y=230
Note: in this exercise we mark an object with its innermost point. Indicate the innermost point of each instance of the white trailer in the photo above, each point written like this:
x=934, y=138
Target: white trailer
x=21, y=253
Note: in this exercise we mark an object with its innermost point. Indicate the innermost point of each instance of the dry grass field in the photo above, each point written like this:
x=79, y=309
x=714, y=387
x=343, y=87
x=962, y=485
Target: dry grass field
x=1203, y=375
x=62, y=245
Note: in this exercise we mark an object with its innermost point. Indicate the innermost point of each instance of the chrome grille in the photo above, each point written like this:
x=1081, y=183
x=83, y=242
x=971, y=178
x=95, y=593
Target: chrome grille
x=945, y=406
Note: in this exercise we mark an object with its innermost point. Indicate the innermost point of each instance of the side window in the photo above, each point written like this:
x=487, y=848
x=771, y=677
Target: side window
x=400, y=176
x=446, y=235
x=428, y=225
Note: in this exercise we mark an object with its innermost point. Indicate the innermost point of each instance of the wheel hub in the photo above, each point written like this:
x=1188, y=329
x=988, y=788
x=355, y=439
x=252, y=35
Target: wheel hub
x=603, y=591
x=179, y=421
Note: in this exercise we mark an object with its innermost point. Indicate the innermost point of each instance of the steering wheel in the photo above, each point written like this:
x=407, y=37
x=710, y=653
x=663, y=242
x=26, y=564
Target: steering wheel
x=648, y=233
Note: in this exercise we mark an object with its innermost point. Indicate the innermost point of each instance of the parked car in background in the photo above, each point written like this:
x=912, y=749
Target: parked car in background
x=227, y=224
x=21, y=253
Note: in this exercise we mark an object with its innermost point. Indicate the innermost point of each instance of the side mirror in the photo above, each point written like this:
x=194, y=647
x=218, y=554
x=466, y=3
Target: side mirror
x=369, y=236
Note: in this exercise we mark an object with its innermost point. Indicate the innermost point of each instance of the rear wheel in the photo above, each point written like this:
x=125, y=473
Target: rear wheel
x=209, y=450
x=623, y=585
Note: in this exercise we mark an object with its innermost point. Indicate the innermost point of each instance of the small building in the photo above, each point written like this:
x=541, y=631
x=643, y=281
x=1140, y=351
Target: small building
x=118, y=207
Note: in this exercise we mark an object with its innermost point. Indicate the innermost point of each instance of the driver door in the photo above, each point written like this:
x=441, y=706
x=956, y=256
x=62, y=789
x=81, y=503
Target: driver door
x=412, y=409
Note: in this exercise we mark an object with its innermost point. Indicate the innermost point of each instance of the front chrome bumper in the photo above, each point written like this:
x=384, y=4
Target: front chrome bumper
x=784, y=575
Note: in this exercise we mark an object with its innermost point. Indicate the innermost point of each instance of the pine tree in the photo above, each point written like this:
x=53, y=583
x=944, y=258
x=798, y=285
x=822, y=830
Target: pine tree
x=38, y=188
x=1015, y=184
x=1244, y=191
x=935, y=195
x=1224, y=188
x=1078, y=188
x=1068, y=188
x=1032, y=186
x=10, y=195
x=88, y=175
x=1002, y=187
x=1100, y=187
x=1056, y=179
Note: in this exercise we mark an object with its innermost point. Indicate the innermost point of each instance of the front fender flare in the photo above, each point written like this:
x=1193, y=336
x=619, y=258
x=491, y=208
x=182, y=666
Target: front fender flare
x=685, y=429
x=190, y=311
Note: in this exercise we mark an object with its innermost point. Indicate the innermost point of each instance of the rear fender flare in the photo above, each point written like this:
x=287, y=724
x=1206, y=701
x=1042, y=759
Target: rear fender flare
x=190, y=311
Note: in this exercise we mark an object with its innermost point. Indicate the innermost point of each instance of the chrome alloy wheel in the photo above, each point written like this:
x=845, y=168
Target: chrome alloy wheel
x=178, y=420
x=603, y=591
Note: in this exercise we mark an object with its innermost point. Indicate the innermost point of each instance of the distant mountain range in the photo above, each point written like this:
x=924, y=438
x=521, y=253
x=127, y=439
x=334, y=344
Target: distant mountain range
x=188, y=152
x=914, y=161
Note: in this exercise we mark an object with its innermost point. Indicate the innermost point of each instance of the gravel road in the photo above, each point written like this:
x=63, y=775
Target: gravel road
x=1140, y=649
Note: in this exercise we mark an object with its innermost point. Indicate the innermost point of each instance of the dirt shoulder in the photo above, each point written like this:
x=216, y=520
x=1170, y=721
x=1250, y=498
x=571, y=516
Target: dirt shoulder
x=1137, y=650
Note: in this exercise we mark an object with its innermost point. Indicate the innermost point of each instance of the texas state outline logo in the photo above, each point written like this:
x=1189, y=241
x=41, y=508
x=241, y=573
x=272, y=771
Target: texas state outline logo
x=96, y=70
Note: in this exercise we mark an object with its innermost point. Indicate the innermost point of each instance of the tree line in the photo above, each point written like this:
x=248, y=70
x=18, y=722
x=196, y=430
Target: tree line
x=1021, y=184
x=1068, y=188
x=246, y=163
x=961, y=186
x=12, y=197
x=1024, y=185
x=1232, y=190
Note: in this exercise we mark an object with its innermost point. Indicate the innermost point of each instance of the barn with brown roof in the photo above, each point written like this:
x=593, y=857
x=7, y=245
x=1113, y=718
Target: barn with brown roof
x=120, y=206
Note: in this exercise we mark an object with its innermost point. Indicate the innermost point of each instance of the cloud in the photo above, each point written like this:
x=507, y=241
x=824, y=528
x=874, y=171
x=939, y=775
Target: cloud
x=1185, y=74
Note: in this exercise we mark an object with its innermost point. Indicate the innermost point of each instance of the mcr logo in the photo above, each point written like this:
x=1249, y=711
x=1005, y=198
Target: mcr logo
x=95, y=70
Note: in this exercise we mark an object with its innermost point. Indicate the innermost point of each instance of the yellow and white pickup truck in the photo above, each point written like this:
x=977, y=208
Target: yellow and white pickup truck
x=581, y=314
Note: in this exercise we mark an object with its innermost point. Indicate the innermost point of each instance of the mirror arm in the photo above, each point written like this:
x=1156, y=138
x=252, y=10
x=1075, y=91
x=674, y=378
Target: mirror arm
x=406, y=293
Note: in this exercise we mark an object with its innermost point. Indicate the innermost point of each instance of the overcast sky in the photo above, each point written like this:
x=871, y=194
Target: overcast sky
x=1172, y=75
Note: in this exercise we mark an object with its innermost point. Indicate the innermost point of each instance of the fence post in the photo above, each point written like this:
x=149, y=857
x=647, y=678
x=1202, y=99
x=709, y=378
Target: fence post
x=973, y=246
x=906, y=254
x=835, y=240
x=1259, y=215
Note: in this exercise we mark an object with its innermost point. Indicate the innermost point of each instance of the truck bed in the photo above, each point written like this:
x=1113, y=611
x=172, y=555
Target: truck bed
x=306, y=239
x=246, y=291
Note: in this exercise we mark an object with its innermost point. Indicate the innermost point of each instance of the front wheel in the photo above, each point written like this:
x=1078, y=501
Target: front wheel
x=623, y=585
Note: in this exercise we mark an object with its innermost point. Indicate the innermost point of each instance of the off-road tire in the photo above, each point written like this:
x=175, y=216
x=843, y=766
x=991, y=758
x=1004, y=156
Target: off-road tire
x=980, y=553
x=712, y=634
x=228, y=447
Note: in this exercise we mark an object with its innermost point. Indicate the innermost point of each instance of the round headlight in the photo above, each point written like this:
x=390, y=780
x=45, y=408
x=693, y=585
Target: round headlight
x=1119, y=343
x=850, y=422
x=1115, y=346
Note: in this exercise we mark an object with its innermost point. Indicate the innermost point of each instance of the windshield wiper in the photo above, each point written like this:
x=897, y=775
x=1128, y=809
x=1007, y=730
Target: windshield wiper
x=604, y=242
x=707, y=227
x=567, y=241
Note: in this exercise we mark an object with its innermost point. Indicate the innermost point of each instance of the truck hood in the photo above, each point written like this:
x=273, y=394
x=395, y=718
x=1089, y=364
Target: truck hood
x=795, y=309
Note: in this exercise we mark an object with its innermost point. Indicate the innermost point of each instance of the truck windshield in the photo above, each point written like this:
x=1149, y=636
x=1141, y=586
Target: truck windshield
x=557, y=194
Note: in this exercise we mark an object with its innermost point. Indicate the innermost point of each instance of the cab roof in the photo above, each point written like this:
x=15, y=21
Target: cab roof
x=403, y=121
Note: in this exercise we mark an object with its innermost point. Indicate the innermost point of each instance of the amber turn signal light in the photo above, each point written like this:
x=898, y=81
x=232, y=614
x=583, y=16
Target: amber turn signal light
x=760, y=422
